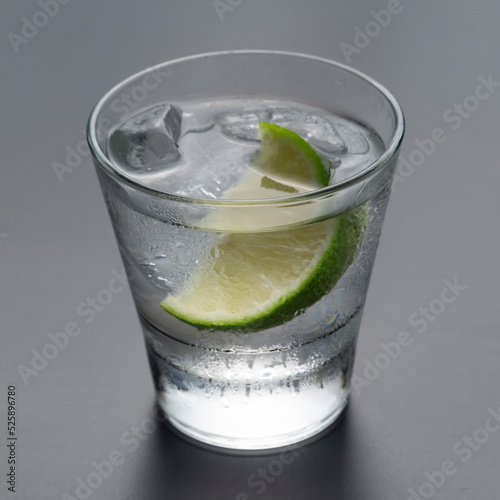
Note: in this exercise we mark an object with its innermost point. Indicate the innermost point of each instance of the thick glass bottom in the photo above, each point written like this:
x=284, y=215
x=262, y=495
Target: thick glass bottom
x=252, y=400
x=257, y=441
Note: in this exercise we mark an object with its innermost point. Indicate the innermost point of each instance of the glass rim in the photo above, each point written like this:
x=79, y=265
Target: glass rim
x=382, y=161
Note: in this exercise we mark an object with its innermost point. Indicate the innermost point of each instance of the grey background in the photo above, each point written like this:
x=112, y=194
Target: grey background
x=57, y=249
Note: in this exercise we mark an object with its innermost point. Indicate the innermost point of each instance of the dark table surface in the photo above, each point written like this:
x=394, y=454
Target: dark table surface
x=427, y=422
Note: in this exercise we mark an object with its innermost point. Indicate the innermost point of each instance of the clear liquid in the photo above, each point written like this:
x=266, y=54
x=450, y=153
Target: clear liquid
x=216, y=143
x=253, y=400
x=256, y=390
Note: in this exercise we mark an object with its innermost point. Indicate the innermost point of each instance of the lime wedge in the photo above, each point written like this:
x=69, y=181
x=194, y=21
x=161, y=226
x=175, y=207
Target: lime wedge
x=253, y=281
x=268, y=183
x=286, y=156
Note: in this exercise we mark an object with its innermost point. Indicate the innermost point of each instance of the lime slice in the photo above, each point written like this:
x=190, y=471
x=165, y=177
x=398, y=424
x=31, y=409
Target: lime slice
x=268, y=183
x=253, y=281
x=286, y=156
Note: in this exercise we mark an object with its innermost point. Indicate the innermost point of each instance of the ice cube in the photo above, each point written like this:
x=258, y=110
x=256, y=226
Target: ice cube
x=148, y=141
x=323, y=134
x=356, y=143
x=319, y=131
x=241, y=126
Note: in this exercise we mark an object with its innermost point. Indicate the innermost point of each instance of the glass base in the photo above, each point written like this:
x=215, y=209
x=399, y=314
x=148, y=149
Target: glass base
x=256, y=443
x=248, y=400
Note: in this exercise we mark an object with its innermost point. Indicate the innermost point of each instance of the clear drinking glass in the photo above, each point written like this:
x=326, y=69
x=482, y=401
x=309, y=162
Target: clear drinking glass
x=281, y=377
